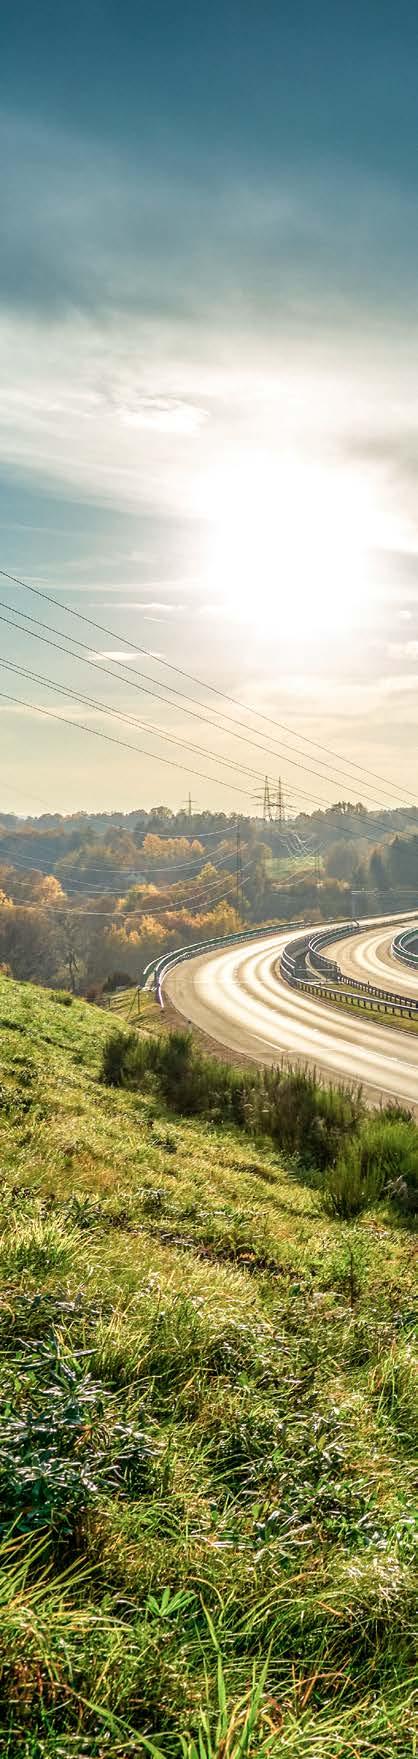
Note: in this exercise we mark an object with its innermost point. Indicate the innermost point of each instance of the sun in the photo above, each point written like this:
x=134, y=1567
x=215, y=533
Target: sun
x=288, y=545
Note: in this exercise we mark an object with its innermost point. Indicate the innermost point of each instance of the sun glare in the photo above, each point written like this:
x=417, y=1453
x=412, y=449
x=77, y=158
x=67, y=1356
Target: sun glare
x=289, y=545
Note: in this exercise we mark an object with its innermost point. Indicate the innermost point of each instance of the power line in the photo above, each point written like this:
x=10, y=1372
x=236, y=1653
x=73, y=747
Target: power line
x=297, y=762
x=7, y=860
x=96, y=733
x=164, y=867
x=158, y=908
x=128, y=915
x=119, y=714
x=61, y=689
x=191, y=678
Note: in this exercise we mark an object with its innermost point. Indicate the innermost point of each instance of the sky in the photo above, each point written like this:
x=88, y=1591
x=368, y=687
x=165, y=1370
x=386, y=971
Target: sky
x=208, y=398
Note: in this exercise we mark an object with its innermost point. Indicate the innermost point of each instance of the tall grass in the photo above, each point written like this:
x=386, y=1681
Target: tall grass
x=36, y=1243
x=207, y=1414
x=360, y=1158
x=302, y=1116
x=381, y=1160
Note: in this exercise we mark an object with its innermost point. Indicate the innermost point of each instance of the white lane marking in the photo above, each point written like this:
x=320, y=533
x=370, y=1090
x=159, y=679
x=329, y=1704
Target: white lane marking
x=245, y=997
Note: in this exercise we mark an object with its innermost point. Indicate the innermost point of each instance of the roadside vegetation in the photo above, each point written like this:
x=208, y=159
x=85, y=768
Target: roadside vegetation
x=353, y=1159
x=376, y=1015
x=209, y=1415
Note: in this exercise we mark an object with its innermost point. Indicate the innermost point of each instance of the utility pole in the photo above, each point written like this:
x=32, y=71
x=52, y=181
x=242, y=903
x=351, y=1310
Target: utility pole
x=239, y=868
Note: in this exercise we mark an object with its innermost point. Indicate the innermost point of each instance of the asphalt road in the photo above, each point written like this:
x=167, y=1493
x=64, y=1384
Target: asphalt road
x=368, y=956
x=238, y=998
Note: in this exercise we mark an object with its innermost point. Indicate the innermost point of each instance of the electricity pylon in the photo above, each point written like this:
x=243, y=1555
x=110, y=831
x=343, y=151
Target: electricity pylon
x=279, y=807
x=267, y=814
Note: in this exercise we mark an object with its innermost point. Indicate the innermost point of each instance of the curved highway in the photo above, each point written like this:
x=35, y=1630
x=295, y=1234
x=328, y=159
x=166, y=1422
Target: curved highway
x=237, y=997
x=368, y=957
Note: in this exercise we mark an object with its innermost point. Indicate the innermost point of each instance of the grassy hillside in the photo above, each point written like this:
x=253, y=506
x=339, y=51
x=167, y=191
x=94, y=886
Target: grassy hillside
x=208, y=1430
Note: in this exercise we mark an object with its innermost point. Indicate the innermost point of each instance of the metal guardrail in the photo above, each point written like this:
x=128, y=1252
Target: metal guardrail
x=401, y=950
x=295, y=969
x=158, y=968
x=298, y=956
x=365, y=1000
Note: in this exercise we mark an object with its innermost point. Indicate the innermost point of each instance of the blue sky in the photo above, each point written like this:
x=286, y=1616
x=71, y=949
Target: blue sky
x=208, y=413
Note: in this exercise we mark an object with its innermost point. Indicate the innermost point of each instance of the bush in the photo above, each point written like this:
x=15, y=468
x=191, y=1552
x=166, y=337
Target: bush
x=63, y=996
x=394, y=1113
x=199, y=1085
x=351, y=1186
x=114, y=1059
x=305, y=1118
x=381, y=1160
x=324, y=1126
x=118, y=980
x=389, y=1151
x=190, y=1083
x=289, y=1105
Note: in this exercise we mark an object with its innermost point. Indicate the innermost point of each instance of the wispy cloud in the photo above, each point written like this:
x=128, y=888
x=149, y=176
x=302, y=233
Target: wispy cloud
x=153, y=329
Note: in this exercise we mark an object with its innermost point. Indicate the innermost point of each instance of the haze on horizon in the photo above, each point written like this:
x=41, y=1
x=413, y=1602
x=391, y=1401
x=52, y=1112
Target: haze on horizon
x=209, y=380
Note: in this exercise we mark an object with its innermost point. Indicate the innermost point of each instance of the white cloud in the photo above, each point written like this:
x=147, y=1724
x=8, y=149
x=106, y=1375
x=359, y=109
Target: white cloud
x=165, y=416
x=144, y=385
x=397, y=684
x=402, y=650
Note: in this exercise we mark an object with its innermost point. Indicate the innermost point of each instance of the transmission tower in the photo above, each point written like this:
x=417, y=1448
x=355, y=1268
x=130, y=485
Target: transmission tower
x=266, y=802
x=279, y=806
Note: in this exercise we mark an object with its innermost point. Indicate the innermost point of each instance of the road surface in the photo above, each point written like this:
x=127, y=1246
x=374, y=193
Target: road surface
x=368, y=956
x=238, y=998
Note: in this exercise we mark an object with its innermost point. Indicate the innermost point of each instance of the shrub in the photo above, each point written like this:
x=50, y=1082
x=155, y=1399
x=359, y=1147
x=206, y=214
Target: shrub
x=351, y=1186
x=381, y=1160
x=289, y=1105
x=118, y=980
x=63, y=996
x=394, y=1113
x=114, y=1059
x=190, y=1083
x=324, y=1126
x=305, y=1118
x=389, y=1150
x=195, y=1084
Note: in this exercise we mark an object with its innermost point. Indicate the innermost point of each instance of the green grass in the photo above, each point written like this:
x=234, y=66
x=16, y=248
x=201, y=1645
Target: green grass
x=288, y=867
x=137, y=1007
x=374, y=1014
x=208, y=1430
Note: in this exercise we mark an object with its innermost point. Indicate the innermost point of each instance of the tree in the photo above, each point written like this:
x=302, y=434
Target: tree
x=72, y=951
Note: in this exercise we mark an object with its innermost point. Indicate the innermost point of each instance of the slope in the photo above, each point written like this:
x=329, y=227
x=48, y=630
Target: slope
x=207, y=1430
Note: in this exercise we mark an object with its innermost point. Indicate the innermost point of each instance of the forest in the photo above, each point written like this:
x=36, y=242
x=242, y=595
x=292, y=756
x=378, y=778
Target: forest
x=87, y=900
